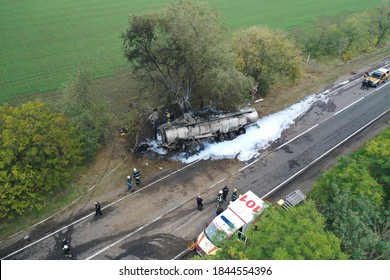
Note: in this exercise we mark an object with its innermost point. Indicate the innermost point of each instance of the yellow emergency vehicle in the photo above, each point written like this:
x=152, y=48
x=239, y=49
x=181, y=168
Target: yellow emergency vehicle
x=378, y=77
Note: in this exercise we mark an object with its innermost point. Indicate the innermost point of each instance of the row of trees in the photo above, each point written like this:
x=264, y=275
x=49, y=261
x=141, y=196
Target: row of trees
x=40, y=148
x=346, y=216
x=347, y=37
x=184, y=55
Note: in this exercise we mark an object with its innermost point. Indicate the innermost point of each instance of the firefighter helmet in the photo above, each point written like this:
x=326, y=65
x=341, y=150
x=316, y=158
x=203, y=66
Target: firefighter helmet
x=220, y=192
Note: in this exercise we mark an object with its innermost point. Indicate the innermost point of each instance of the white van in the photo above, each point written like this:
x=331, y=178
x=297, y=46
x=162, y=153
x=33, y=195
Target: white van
x=235, y=219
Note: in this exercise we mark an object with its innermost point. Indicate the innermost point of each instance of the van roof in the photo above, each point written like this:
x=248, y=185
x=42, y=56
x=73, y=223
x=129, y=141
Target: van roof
x=247, y=206
x=228, y=222
x=239, y=213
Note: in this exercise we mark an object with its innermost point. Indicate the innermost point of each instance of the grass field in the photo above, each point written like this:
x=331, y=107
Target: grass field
x=43, y=41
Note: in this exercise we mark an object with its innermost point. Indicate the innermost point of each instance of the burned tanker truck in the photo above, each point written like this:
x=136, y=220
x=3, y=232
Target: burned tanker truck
x=189, y=129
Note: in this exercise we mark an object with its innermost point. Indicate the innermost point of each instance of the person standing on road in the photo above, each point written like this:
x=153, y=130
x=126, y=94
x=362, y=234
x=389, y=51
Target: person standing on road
x=234, y=195
x=129, y=185
x=364, y=84
x=367, y=83
x=219, y=211
x=225, y=192
x=199, y=201
x=137, y=176
x=219, y=199
x=98, y=210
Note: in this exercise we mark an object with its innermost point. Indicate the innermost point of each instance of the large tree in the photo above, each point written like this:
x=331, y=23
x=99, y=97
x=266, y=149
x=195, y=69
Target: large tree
x=88, y=112
x=296, y=234
x=183, y=51
x=38, y=150
x=266, y=56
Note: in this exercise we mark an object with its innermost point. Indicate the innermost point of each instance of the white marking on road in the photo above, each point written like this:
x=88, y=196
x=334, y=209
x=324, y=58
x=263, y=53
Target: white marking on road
x=347, y=106
x=306, y=131
x=323, y=155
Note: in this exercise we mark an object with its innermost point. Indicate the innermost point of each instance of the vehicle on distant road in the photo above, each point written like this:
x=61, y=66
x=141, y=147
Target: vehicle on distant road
x=378, y=77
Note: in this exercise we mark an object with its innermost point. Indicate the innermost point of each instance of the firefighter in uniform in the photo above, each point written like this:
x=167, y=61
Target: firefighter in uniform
x=66, y=248
x=98, y=208
x=129, y=185
x=199, y=201
x=364, y=84
x=219, y=211
x=168, y=116
x=219, y=199
x=234, y=195
x=366, y=81
x=123, y=131
x=137, y=176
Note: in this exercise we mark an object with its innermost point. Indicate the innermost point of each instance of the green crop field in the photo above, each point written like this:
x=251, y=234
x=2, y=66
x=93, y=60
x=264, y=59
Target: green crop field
x=43, y=41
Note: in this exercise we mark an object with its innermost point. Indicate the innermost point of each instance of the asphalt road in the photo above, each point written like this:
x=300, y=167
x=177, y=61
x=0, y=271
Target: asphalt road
x=159, y=220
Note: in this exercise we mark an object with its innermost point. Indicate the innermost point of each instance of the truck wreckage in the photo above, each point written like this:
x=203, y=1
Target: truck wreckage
x=188, y=129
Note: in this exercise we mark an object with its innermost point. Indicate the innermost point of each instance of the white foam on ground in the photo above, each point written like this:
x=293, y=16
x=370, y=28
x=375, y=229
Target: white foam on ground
x=258, y=136
x=341, y=84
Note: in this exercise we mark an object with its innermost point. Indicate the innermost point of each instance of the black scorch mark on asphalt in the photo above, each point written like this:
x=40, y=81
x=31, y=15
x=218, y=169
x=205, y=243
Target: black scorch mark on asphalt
x=292, y=164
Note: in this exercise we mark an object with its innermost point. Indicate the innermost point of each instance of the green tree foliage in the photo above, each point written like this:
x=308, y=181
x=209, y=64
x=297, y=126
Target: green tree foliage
x=353, y=36
x=377, y=159
x=343, y=39
x=347, y=37
x=38, y=150
x=297, y=234
x=183, y=52
x=88, y=112
x=266, y=56
x=380, y=23
x=354, y=205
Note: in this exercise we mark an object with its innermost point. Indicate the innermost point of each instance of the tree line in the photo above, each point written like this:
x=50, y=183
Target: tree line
x=346, y=37
x=346, y=216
